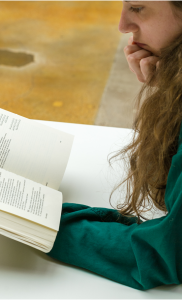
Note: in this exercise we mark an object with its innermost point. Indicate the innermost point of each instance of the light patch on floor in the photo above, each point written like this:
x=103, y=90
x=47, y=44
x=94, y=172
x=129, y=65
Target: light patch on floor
x=55, y=57
x=117, y=106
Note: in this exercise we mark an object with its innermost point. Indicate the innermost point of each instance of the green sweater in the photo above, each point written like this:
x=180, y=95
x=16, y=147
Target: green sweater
x=140, y=256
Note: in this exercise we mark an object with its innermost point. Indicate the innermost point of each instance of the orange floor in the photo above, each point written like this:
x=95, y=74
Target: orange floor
x=55, y=57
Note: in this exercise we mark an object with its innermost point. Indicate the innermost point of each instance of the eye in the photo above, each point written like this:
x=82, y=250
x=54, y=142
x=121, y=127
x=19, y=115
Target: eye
x=137, y=10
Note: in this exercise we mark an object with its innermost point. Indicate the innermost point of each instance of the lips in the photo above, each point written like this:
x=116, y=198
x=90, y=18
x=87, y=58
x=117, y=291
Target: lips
x=139, y=44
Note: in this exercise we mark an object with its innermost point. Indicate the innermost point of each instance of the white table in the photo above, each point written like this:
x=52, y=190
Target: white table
x=28, y=273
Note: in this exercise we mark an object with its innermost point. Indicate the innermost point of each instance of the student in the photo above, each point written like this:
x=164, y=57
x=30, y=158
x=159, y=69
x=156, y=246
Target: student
x=113, y=242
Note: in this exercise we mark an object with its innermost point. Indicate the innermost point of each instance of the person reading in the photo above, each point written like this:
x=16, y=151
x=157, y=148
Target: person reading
x=117, y=243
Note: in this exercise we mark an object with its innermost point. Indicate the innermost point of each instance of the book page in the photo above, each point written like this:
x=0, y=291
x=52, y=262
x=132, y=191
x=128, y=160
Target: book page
x=30, y=200
x=33, y=150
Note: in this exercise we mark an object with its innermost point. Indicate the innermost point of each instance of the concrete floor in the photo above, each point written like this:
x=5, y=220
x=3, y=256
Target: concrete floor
x=64, y=61
x=117, y=103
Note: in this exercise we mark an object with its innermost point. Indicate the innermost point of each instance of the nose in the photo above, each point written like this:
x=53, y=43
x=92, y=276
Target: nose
x=126, y=25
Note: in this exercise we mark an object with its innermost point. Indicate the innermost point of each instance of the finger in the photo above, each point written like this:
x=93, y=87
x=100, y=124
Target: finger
x=129, y=49
x=130, y=40
x=148, y=65
x=134, y=63
x=141, y=53
x=131, y=70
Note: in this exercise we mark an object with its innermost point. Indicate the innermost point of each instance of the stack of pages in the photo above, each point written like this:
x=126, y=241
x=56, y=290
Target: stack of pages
x=33, y=159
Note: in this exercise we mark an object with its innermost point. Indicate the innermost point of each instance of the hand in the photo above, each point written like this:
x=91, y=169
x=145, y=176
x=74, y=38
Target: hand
x=141, y=62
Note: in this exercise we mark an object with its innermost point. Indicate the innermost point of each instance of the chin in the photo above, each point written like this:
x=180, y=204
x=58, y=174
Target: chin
x=154, y=52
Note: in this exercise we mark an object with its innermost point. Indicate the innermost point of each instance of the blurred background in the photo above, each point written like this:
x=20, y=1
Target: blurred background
x=63, y=61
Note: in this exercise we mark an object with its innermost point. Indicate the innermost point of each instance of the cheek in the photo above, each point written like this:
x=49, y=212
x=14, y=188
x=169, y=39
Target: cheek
x=156, y=36
x=163, y=32
x=163, y=38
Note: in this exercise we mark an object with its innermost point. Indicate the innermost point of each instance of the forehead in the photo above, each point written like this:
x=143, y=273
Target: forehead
x=146, y=3
x=135, y=1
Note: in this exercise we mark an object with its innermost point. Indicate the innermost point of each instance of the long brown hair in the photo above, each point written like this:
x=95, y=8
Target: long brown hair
x=156, y=131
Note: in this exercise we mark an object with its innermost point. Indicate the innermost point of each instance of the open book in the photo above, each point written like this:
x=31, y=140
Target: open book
x=33, y=159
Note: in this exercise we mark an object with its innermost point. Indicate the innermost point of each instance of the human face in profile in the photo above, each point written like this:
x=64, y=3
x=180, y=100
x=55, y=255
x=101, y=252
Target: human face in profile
x=152, y=23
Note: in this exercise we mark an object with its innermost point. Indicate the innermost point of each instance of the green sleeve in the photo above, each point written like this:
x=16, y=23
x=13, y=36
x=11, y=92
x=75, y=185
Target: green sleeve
x=140, y=256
